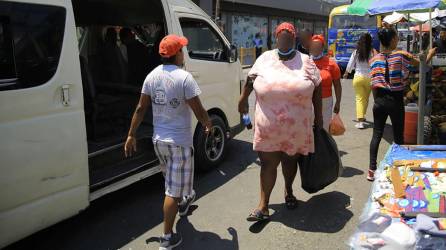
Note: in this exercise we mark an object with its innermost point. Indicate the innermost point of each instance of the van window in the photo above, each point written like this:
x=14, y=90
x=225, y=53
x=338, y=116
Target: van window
x=31, y=38
x=204, y=43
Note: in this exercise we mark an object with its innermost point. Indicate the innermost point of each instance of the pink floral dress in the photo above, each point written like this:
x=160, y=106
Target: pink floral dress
x=284, y=113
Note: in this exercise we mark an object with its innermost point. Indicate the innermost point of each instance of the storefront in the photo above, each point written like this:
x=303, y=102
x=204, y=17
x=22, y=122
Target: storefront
x=241, y=21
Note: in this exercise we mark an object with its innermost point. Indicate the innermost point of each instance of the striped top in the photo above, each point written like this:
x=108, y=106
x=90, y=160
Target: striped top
x=396, y=77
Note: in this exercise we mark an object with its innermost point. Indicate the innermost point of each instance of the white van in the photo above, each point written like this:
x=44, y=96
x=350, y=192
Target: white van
x=71, y=74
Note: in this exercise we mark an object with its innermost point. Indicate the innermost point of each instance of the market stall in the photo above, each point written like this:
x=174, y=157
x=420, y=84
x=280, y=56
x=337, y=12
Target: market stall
x=407, y=205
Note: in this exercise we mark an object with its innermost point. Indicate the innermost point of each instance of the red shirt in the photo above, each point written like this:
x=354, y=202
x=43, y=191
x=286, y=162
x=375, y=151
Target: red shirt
x=329, y=72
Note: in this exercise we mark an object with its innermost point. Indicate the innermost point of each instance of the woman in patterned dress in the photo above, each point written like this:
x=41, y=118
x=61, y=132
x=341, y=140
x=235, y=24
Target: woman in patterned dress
x=287, y=86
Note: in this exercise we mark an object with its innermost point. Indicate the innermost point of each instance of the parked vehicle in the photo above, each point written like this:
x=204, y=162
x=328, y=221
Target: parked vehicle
x=344, y=31
x=69, y=82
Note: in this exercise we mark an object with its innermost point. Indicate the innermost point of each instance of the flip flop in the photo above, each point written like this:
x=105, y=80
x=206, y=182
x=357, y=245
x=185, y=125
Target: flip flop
x=291, y=202
x=257, y=215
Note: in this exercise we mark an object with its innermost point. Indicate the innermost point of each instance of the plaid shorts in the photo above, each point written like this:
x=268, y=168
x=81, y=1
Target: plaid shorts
x=177, y=165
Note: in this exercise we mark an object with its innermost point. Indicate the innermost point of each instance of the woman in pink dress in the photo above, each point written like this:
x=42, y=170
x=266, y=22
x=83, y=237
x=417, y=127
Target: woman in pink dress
x=287, y=87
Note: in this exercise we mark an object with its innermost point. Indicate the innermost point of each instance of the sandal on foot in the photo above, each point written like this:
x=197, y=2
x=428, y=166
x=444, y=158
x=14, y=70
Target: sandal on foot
x=291, y=201
x=371, y=175
x=257, y=215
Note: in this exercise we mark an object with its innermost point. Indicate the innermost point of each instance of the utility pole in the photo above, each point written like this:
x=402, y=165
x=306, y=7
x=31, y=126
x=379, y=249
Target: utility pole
x=217, y=10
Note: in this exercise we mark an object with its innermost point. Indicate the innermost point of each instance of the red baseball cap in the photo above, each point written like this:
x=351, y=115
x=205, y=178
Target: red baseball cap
x=171, y=44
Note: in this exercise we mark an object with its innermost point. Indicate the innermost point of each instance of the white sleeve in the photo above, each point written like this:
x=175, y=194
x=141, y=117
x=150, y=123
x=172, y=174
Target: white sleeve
x=191, y=88
x=351, y=63
x=146, y=88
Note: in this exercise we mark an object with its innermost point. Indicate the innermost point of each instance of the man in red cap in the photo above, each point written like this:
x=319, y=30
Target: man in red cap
x=173, y=93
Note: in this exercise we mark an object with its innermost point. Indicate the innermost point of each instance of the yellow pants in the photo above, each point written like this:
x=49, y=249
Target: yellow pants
x=362, y=87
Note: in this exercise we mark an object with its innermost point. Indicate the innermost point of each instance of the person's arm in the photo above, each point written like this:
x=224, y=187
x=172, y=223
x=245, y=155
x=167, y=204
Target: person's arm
x=351, y=64
x=200, y=112
x=191, y=94
x=338, y=92
x=317, y=104
x=415, y=62
x=243, y=105
x=141, y=109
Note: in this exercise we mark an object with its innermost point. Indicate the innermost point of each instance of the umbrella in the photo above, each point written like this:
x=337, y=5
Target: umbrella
x=374, y=7
x=395, y=18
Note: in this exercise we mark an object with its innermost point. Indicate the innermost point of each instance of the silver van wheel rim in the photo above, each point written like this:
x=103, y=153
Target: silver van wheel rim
x=215, y=143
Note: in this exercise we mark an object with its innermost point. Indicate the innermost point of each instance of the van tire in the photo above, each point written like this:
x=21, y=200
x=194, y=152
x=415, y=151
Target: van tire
x=209, y=156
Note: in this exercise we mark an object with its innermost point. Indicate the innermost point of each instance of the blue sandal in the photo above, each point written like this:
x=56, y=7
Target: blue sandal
x=257, y=215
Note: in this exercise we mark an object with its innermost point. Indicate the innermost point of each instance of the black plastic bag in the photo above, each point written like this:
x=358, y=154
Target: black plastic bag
x=324, y=166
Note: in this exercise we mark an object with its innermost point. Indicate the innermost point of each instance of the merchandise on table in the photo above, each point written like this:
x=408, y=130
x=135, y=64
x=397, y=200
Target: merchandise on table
x=407, y=205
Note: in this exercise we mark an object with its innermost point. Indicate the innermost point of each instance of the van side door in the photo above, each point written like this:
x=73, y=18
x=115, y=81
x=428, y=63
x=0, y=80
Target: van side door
x=43, y=148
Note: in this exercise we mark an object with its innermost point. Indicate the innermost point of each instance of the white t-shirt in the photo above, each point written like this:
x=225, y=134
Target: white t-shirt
x=361, y=68
x=169, y=87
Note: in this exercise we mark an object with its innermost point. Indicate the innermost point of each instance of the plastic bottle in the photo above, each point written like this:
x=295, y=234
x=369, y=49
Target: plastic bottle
x=247, y=121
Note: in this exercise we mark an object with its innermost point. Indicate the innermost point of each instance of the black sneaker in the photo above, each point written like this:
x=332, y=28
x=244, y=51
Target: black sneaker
x=174, y=241
x=183, y=207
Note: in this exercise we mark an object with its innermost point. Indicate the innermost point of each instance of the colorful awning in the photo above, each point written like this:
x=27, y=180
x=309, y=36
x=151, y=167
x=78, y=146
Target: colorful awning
x=375, y=7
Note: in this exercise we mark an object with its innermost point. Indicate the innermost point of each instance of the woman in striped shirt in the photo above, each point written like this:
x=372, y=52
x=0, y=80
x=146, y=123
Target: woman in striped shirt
x=389, y=73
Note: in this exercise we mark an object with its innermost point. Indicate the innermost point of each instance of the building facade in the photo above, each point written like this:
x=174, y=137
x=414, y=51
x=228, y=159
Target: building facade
x=241, y=20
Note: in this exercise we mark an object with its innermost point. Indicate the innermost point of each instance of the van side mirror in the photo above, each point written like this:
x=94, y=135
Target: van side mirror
x=233, y=54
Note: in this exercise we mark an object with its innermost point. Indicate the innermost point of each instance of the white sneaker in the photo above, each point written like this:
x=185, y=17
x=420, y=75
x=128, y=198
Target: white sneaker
x=360, y=125
x=183, y=207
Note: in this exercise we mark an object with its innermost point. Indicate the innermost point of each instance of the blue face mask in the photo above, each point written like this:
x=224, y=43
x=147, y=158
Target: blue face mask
x=317, y=57
x=287, y=53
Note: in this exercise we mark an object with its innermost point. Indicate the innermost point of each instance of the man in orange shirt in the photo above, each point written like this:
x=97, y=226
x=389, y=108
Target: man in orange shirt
x=331, y=76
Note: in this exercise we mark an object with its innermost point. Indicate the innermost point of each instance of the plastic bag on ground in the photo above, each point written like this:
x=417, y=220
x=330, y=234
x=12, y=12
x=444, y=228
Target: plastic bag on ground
x=324, y=166
x=336, y=126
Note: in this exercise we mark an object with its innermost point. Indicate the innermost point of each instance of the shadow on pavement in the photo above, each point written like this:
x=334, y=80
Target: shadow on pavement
x=194, y=239
x=350, y=172
x=324, y=213
x=119, y=218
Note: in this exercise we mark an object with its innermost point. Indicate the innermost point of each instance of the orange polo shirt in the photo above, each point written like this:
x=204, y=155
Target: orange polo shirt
x=329, y=72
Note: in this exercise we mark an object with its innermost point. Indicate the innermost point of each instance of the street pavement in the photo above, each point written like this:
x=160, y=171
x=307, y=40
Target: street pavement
x=132, y=218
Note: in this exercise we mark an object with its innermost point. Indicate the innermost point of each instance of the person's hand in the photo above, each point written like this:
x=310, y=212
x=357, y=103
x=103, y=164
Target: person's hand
x=243, y=106
x=337, y=108
x=130, y=146
x=433, y=51
x=208, y=127
x=345, y=75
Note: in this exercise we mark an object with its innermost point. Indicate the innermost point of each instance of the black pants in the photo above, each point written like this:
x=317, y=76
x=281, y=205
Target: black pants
x=387, y=104
x=258, y=52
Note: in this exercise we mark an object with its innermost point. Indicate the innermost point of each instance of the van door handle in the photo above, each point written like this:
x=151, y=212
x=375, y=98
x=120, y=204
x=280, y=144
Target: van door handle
x=66, y=94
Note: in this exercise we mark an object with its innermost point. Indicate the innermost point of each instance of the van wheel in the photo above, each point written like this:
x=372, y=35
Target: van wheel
x=210, y=149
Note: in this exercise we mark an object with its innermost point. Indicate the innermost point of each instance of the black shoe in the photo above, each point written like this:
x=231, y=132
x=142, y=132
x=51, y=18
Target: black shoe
x=174, y=241
x=183, y=207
